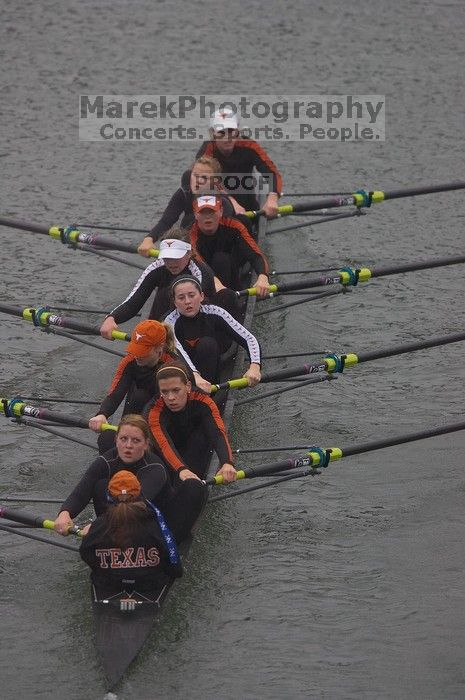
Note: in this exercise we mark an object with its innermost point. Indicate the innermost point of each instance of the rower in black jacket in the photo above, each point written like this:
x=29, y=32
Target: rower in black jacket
x=175, y=258
x=130, y=546
x=202, y=177
x=187, y=427
x=152, y=343
x=205, y=331
x=180, y=502
x=226, y=245
x=239, y=156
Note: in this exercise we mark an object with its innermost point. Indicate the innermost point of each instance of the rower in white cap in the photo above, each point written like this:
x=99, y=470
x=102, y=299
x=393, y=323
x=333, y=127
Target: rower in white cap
x=175, y=258
x=239, y=156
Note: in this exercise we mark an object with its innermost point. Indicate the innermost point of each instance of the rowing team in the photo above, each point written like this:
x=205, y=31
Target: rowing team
x=146, y=485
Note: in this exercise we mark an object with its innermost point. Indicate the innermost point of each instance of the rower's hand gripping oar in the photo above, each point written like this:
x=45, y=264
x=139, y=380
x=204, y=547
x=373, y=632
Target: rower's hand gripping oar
x=337, y=363
x=20, y=516
x=15, y=407
x=42, y=317
x=362, y=198
x=70, y=235
x=318, y=457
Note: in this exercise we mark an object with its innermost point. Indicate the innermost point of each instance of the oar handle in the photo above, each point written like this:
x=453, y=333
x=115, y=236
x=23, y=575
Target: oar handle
x=108, y=426
x=240, y=383
x=120, y=335
x=218, y=479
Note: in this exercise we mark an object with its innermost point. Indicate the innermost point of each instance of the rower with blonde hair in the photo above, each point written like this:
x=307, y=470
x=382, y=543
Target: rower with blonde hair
x=201, y=177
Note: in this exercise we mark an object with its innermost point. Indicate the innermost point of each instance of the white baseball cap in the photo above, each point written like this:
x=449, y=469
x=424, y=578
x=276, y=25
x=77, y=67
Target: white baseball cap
x=224, y=119
x=173, y=248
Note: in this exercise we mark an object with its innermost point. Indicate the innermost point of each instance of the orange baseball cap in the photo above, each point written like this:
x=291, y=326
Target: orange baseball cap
x=206, y=202
x=146, y=336
x=124, y=483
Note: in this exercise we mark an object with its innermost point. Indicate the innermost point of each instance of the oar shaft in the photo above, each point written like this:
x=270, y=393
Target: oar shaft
x=38, y=538
x=42, y=317
x=409, y=347
x=425, y=189
x=18, y=408
x=336, y=363
x=313, y=457
x=376, y=196
x=401, y=439
x=20, y=516
x=349, y=276
x=73, y=235
x=420, y=265
x=24, y=226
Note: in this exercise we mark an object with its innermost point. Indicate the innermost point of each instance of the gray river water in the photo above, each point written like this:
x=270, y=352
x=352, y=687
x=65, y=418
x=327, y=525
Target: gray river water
x=348, y=585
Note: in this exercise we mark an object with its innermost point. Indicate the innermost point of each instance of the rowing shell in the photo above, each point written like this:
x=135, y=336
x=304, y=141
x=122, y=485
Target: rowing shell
x=123, y=621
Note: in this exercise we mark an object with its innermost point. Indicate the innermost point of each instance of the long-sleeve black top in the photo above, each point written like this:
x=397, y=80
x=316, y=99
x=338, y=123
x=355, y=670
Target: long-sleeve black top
x=181, y=204
x=215, y=322
x=157, y=276
x=246, y=155
x=172, y=430
x=232, y=238
x=149, y=470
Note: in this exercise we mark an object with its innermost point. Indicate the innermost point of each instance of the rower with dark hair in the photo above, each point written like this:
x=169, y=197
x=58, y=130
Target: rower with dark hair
x=202, y=177
x=175, y=258
x=152, y=343
x=240, y=155
x=205, y=331
x=186, y=426
x=129, y=546
x=226, y=245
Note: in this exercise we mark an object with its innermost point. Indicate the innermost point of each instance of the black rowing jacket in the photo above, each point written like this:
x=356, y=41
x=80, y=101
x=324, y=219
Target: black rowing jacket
x=215, y=322
x=232, y=238
x=136, y=382
x=149, y=470
x=246, y=155
x=181, y=203
x=140, y=564
x=156, y=275
x=173, y=430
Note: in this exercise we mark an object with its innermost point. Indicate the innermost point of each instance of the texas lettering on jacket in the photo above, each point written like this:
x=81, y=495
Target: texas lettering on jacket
x=130, y=558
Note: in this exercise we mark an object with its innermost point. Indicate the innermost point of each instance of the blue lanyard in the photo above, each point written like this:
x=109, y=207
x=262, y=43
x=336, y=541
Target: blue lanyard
x=166, y=534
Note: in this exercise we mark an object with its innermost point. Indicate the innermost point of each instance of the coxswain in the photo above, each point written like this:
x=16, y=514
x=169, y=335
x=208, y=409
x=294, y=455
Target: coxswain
x=152, y=343
x=203, y=176
x=175, y=258
x=186, y=425
x=238, y=155
x=180, y=502
x=205, y=331
x=130, y=546
x=226, y=245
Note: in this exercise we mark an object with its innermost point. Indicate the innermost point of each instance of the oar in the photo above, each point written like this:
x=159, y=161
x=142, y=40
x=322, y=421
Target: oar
x=42, y=317
x=16, y=407
x=72, y=235
x=38, y=538
x=20, y=516
x=318, y=457
x=337, y=363
x=349, y=276
x=361, y=198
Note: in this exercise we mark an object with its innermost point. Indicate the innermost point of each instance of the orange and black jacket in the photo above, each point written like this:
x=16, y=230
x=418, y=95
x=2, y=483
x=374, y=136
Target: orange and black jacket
x=173, y=430
x=136, y=383
x=246, y=155
x=232, y=238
